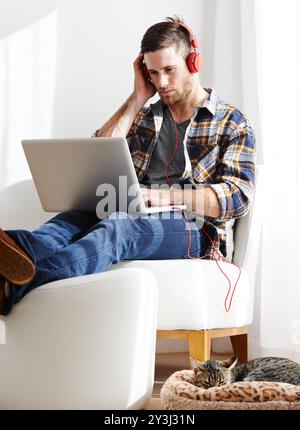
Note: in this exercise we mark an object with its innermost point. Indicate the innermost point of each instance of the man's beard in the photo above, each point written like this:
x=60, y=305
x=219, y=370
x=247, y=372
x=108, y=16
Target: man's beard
x=178, y=96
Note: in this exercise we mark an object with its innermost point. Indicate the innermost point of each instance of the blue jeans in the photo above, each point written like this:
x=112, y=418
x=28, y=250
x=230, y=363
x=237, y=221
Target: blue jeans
x=77, y=243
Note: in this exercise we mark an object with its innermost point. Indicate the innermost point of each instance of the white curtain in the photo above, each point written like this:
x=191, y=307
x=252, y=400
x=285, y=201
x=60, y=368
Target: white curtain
x=277, y=331
x=256, y=49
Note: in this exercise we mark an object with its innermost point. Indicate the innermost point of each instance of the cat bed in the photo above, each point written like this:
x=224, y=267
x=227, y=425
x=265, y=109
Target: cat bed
x=179, y=392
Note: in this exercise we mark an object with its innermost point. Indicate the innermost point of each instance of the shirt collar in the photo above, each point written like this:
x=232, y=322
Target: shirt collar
x=211, y=102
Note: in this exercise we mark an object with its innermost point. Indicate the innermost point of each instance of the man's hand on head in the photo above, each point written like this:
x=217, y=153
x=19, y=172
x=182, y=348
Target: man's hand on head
x=143, y=88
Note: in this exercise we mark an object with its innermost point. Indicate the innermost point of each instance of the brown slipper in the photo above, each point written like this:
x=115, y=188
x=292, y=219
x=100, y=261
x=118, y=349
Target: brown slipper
x=15, y=265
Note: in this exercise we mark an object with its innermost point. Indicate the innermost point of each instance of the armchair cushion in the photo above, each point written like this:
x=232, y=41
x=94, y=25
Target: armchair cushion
x=191, y=294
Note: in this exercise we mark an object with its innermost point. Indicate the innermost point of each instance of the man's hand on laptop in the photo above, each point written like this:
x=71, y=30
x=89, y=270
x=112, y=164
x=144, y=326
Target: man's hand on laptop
x=159, y=197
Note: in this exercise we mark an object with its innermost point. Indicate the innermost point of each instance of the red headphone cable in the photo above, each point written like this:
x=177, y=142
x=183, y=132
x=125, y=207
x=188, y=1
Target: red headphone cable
x=220, y=255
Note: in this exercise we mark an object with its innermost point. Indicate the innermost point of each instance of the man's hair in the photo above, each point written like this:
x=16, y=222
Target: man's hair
x=166, y=34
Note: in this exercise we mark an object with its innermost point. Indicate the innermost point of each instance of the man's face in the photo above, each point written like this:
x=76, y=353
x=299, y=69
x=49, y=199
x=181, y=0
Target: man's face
x=169, y=74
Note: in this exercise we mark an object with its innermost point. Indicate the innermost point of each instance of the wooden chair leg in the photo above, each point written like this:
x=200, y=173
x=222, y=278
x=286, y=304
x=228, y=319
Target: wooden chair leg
x=199, y=344
x=240, y=346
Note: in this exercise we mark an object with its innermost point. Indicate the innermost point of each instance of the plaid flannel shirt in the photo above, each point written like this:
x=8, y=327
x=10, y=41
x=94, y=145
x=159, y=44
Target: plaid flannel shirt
x=219, y=148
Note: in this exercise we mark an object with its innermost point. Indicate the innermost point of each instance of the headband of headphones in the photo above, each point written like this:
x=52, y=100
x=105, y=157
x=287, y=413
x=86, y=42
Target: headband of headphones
x=194, y=41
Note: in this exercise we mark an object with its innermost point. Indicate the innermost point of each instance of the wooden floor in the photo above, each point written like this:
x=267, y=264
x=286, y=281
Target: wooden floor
x=165, y=365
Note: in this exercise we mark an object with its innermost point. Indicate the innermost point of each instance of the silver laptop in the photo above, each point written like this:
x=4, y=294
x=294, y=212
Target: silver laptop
x=87, y=174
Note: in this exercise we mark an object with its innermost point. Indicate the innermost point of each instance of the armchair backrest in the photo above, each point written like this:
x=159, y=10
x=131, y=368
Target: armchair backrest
x=20, y=207
x=248, y=230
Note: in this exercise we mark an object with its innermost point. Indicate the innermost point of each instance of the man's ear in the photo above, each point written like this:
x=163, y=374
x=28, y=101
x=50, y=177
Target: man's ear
x=229, y=363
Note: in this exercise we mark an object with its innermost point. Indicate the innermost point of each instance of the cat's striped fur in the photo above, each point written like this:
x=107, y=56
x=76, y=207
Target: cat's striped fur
x=212, y=373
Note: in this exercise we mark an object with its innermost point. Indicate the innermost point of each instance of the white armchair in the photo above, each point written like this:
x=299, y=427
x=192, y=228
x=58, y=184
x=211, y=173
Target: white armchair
x=191, y=296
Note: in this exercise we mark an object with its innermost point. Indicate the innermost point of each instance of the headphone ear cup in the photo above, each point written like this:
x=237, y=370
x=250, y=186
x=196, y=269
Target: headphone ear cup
x=194, y=62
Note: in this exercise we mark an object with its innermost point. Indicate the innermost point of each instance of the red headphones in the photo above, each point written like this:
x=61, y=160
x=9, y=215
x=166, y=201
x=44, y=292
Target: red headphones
x=194, y=60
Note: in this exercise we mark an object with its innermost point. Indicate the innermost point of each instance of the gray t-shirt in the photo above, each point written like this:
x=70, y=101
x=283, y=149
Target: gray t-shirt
x=163, y=150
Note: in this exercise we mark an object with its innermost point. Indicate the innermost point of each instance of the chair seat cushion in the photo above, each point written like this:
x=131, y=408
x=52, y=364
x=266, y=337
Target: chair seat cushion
x=192, y=293
x=179, y=392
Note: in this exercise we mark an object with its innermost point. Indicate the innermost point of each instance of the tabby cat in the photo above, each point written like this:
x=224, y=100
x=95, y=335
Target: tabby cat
x=212, y=373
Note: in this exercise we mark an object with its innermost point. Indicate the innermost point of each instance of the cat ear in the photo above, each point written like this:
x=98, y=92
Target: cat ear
x=229, y=363
x=195, y=364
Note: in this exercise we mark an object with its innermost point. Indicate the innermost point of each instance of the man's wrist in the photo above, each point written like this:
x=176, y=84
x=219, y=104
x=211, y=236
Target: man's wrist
x=138, y=101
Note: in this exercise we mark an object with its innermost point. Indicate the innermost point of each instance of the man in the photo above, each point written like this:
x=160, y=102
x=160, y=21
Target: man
x=189, y=137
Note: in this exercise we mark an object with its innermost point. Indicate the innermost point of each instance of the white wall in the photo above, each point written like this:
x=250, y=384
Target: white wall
x=66, y=66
